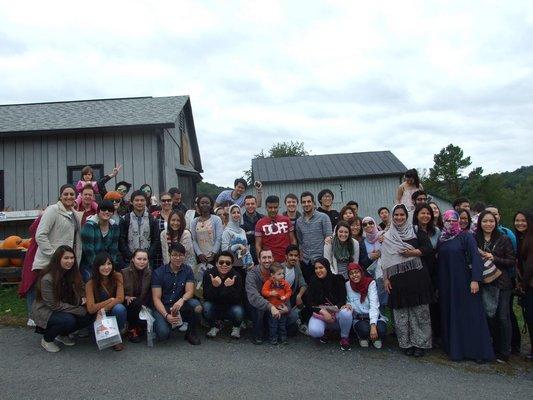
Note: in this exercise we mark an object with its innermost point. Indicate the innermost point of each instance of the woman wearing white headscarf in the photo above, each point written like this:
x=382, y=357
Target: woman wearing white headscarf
x=408, y=282
x=234, y=238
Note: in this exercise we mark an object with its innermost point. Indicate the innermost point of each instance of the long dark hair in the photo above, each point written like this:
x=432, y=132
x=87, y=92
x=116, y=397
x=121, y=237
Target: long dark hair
x=525, y=240
x=480, y=236
x=440, y=222
x=413, y=174
x=67, y=284
x=98, y=282
x=348, y=243
x=431, y=226
x=175, y=235
x=462, y=210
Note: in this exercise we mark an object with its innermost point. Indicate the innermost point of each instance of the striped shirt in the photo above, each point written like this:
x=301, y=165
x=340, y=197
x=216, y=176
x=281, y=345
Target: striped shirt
x=311, y=233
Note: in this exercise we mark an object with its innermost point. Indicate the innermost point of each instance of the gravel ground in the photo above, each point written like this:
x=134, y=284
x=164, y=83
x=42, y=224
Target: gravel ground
x=226, y=369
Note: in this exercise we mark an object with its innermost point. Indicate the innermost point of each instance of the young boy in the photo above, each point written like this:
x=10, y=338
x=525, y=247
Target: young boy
x=278, y=292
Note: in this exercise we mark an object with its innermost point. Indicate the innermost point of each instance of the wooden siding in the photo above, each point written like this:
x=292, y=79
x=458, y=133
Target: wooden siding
x=370, y=193
x=35, y=167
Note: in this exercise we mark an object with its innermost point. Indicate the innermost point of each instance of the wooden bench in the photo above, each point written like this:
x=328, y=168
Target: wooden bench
x=11, y=275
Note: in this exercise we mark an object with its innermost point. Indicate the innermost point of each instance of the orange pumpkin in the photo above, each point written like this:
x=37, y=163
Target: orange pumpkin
x=12, y=242
x=26, y=243
x=4, y=262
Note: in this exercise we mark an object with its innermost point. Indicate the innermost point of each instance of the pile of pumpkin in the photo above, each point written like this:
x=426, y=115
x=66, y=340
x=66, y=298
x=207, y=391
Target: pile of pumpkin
x=13, y=243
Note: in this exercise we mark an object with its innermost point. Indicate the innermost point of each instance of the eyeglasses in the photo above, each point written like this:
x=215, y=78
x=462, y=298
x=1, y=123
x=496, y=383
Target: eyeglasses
x=367, y=223
x=224, y=262
x=116, y=201
x=177, y=255
x=166, y=200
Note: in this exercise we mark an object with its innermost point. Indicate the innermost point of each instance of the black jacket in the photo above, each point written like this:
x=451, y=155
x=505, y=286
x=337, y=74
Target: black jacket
x=222, y=295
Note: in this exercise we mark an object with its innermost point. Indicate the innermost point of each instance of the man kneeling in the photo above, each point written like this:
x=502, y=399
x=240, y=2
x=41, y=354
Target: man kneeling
x=172, y=294
x=223, y=295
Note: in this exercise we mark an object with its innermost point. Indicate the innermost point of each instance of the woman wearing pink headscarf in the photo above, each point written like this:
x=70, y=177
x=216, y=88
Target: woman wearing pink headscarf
x=464, y=329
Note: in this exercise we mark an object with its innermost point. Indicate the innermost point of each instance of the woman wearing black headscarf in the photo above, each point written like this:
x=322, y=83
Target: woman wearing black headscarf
x=325, y=295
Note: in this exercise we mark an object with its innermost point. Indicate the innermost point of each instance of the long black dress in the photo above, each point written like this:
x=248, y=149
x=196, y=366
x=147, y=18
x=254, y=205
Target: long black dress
x=464, y=329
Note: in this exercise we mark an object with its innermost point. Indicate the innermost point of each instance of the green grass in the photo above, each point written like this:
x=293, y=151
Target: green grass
x=12, y=308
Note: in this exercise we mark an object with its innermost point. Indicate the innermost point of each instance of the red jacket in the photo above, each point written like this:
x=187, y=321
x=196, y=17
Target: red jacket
x=282, y=289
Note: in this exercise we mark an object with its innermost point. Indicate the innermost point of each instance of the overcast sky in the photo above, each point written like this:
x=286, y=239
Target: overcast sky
x=405, y=76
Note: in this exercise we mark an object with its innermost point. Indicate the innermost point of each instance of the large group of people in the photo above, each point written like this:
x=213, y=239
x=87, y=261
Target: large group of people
x=437, y=278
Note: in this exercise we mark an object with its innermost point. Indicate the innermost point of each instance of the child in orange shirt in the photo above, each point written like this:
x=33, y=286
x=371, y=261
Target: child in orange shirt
x=278, y=293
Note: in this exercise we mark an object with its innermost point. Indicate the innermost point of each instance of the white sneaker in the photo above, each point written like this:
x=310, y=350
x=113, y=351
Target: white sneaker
x=363, y=343
x=236, y=332
x=65, y=340
x=377, y=344
x=183, y=327
x=30, y=323
x=303, y=329
x=50, y=347
x=213, y=332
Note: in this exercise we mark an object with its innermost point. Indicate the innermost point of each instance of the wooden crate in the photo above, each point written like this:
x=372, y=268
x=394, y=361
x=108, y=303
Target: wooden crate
x=11, y=275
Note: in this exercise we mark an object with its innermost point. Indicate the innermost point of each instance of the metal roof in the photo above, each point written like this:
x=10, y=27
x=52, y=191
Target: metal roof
x=86, y=114
x=327, y=166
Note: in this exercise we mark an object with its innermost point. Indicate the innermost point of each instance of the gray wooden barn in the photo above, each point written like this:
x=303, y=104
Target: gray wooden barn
x=45, y=145
x=370, y=178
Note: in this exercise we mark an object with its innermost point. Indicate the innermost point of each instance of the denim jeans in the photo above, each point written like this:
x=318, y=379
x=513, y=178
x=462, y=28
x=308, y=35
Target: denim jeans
x=63, y=323
x=213, y=312
x=277, y=327
x=120, y=312
x=163, y=329
x=30, y=298
x=317, y=327
x=362, y=329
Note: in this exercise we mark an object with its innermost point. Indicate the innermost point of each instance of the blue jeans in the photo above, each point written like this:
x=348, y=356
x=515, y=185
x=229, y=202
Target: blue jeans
x=163, y=329
x=212, y=312
x=362, y=329
x=277, y=327
x=317, y=327
x=63, y=323
x=120, y=312
x=30, y=298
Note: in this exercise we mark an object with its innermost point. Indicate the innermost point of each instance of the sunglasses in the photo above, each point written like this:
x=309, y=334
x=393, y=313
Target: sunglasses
x=367, y=223
x=166, y=200
x=107, y=210
x=116, y=201
x=224, y=262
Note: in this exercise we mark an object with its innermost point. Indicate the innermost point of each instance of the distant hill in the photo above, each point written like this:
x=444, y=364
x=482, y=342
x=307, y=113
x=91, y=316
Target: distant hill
x=210, y=189
x=509, y=191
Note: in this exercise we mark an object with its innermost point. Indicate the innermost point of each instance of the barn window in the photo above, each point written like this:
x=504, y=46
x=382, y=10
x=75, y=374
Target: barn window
x=74, y=172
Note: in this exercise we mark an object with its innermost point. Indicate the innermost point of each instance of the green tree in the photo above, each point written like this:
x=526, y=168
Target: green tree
x=445, y=175
x=281, y=149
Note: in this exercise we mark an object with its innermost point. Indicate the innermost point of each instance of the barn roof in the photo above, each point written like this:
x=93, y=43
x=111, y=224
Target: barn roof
x=327, y=166
x=86, y=114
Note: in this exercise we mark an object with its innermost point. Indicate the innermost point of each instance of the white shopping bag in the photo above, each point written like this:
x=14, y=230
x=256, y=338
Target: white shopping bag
x=106, y=331
x=146, y=315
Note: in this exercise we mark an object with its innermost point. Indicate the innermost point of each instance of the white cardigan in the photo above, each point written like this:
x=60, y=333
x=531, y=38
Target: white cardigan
x=371, y=304
x=55, y=229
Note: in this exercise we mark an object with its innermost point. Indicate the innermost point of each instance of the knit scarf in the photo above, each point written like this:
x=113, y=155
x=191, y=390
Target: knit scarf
x=139, y=234
x=341, y=251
